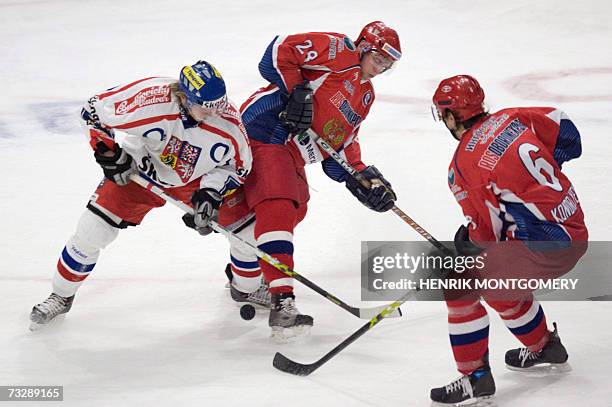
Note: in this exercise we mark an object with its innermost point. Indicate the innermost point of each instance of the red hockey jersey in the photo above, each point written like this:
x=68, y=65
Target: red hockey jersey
x=330, y=63
x=506, y=175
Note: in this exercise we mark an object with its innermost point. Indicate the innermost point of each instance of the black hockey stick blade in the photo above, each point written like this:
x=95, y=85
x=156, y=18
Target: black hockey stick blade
x=284, y=364
x=287, y=365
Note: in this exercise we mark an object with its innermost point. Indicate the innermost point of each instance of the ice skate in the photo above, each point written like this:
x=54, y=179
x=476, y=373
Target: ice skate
x=553, y=357
x=475, y=389
x=47, y=310
x=285, y=319
x=260, y=298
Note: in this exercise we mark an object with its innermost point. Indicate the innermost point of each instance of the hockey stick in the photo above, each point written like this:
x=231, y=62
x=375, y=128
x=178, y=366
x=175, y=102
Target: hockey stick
x=363, y=313
x=352, y=172
x=283, y=363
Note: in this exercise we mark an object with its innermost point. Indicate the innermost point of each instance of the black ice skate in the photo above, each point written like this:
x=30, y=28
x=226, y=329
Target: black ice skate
x=285, y=319
x=476, y=389
x=50, y=308
x=552, y=357
x=261, y=297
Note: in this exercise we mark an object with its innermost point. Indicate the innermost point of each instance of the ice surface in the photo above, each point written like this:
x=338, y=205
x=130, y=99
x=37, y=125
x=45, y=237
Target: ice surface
x=154, y=325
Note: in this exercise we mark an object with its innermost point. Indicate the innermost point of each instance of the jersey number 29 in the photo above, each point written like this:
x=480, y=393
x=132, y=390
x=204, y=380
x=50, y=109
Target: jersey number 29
x=310, y=55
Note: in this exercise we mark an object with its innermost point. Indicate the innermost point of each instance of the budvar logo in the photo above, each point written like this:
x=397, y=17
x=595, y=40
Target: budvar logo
x=146, y=97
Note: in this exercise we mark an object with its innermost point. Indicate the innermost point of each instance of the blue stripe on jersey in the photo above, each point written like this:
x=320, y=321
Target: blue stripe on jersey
x=229, y=185
x=529, y=326
x=472, y=337
x=261, y=119
x=86, y=116
x=244, y=264
x=267, y=69
x=530, y=228
x=333, y=170
x=568, y=144
x=277, y=247
x=75, y=265
x=456, y=166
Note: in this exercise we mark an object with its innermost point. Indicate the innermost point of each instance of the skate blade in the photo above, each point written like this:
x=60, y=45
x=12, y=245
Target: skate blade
x=37, y=326
x=485, y=401
x=543, y=369
x=285, y=335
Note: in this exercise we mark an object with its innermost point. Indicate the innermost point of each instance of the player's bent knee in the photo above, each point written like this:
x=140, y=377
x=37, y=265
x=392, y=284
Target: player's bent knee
x=94, y=231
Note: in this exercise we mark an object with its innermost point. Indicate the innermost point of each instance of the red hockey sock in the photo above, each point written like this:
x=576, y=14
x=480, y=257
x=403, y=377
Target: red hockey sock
x=276, y=219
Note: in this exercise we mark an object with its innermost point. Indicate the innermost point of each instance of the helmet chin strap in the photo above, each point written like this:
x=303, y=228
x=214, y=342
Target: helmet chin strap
x=457, y=133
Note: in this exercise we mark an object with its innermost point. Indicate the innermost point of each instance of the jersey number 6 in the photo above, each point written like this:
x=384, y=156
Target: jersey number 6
x=539, y=168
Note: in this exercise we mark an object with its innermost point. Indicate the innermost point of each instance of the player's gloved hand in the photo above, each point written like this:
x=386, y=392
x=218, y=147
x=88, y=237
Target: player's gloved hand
x=206, y=204
x=116, y=163
x=463, y=244
x=297, y=116
x=379, y=196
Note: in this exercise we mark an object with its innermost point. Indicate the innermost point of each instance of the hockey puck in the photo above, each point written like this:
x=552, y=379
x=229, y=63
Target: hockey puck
x=247, y=312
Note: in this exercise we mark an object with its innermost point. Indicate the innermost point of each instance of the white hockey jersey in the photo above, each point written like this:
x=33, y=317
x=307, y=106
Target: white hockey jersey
x=169, y=146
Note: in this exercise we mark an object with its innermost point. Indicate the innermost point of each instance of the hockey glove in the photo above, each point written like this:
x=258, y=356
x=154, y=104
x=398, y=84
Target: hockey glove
x=463, y=244
x=206, y=204
x=297, y=115
x=379, y=196
x=117, y=167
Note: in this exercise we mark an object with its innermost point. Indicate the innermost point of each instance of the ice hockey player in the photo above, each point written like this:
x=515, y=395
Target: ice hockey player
x=318, y=80
x=506, y=176
x=183, y=135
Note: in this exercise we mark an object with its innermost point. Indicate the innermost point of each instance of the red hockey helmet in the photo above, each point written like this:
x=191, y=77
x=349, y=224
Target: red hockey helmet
x=377, y=36
x=462, y=95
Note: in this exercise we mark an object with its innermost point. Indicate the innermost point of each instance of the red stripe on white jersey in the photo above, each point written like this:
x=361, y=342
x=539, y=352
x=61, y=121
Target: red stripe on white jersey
x=114, y=91
x=148, y=120
x=233, y=118
x=225, y=135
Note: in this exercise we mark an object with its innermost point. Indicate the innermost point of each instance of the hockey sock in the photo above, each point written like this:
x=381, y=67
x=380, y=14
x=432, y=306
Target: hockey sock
x=246, y=273
x=526, y=320
x=468, y=327
x=81, y=253
x=276, y=219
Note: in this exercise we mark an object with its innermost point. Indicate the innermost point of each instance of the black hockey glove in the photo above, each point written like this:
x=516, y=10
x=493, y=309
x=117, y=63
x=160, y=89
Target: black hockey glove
x=297, y=115
x=463, y=244
x=206, y=204
x=379, y=196
x=117, y=167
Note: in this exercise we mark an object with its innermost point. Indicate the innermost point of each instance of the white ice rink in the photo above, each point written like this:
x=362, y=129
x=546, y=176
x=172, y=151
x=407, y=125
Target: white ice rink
x=153, y=325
